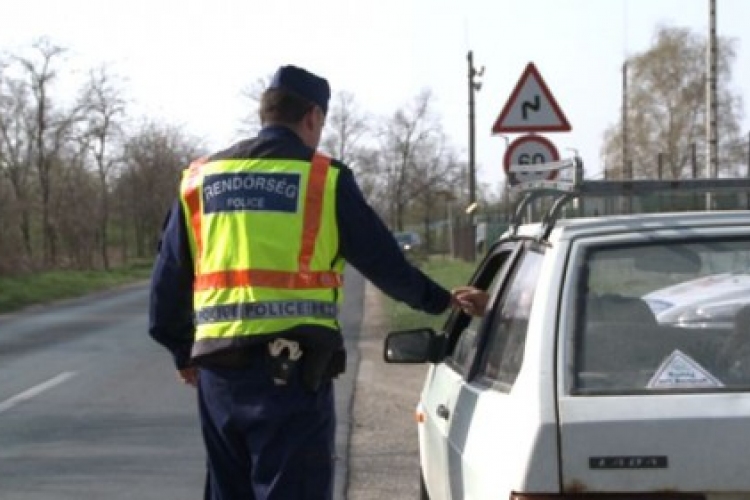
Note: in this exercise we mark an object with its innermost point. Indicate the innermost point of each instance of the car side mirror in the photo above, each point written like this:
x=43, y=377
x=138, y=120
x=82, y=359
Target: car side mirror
x=420, y=345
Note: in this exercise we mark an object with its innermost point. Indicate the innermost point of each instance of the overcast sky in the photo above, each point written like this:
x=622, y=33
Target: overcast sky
x=187, y=60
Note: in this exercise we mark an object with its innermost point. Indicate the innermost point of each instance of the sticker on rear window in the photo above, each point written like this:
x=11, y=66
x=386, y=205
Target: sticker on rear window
x=679, y=370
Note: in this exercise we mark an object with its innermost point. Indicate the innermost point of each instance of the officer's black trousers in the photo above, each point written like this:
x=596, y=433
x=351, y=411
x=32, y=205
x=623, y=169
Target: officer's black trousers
x=266, y=442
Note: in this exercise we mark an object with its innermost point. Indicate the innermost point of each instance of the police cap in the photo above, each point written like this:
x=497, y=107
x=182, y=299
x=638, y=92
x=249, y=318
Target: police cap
x=303, y=83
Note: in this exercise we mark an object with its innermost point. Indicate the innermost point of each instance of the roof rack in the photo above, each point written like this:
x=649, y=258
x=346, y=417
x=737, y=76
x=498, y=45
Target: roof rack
x=566, y=190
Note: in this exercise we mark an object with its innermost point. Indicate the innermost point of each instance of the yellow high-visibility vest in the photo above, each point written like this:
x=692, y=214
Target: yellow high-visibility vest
x=264, y=242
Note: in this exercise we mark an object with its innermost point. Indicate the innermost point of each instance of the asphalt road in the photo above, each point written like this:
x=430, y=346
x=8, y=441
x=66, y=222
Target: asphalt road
x=90, y=407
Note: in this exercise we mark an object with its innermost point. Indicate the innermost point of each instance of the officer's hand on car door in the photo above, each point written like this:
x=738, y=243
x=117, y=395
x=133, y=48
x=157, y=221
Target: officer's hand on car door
x=471, y=300
x=189, y=375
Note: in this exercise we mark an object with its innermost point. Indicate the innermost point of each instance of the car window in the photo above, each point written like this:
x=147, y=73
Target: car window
x=466, y=346
x=462, y=355
x=667, y=316
x=506, y=334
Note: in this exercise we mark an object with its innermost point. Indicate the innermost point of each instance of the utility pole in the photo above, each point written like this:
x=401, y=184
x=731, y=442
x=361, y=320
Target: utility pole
x=624, y=118
x=473, y=87
x=627, y=170
x=711, y=101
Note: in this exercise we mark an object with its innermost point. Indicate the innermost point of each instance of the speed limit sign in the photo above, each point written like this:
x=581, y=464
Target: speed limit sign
x=529, y=150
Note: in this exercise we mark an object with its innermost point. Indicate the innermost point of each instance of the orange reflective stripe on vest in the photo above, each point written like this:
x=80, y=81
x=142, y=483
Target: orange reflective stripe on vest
x=303, y=278
x=268, y=278
x=313, y=209
x=192, y=199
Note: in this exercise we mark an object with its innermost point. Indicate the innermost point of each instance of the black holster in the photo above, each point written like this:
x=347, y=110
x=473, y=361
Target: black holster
x=319, y=366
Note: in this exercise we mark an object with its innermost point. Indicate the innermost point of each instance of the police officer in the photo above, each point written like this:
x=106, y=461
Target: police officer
x=246, y=288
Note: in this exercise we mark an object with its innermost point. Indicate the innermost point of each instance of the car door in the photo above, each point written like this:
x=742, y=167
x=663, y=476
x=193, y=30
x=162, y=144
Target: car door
x=440, y=403
x=651, y=401
x=488, y=421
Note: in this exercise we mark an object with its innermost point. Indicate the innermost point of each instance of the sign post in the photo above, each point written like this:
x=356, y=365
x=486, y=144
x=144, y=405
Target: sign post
x=531, y=108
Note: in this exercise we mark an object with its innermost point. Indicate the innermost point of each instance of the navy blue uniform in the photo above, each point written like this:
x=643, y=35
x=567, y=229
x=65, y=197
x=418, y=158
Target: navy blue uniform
x=279, y=436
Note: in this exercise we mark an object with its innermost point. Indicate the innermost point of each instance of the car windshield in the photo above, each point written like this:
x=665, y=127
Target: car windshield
x=664, y=317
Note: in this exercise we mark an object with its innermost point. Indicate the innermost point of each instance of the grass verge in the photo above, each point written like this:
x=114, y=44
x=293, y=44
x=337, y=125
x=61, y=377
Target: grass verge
x=21, y=291
x=448, y=272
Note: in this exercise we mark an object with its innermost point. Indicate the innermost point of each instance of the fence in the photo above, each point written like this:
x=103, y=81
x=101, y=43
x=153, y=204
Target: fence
x=468, y=237
x=462, y=236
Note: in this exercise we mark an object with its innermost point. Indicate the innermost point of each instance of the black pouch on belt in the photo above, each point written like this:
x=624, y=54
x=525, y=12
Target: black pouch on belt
x=321, y=366
x=337, y=364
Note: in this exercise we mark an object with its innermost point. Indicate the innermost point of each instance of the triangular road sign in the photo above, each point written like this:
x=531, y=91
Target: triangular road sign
x=531, y=107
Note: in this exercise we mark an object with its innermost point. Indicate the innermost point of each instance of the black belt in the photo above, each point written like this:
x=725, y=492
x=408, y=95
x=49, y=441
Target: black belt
x=318, y=368
x=236, y=357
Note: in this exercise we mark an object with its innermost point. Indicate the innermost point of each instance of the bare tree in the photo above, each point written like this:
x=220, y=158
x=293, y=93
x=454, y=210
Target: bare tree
x=369, y=167
x=104, y=104
x=252, y=93
x=155, y=156
x=346, y=126
x=16, y=152
x=10, y=242
x=53, y=126
x=76, y=229
x=666, y=112
x=406, y=139
x=438, y=176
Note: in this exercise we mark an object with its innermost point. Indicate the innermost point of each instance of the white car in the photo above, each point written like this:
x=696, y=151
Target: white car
x=711, y=300
x=570, y=387
x=408, y=241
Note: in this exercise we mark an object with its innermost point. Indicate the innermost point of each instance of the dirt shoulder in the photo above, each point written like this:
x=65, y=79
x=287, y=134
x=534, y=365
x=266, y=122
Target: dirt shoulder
x=383, y=448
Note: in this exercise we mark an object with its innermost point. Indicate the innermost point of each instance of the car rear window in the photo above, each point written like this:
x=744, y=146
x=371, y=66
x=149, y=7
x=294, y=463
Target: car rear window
x=664, y=317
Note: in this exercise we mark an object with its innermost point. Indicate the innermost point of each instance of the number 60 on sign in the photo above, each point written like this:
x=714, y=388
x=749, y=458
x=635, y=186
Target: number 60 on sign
x=529, y=150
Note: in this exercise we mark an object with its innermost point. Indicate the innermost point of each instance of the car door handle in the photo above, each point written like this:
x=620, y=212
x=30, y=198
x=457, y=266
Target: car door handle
x=443, y=412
